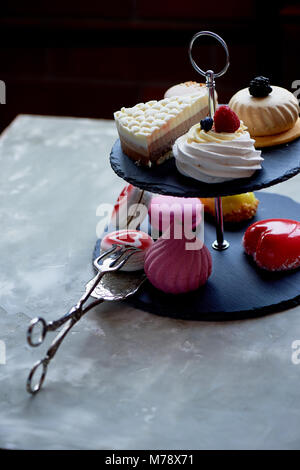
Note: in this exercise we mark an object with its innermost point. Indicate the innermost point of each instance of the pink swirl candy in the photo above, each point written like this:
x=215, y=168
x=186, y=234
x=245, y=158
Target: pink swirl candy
x=173, y=269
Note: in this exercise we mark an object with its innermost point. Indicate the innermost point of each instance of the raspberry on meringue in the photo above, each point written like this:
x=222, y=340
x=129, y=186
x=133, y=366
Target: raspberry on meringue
x=215, y=157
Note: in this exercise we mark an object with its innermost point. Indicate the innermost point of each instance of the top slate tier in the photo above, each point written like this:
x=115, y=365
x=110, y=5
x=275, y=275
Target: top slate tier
x=280, y=163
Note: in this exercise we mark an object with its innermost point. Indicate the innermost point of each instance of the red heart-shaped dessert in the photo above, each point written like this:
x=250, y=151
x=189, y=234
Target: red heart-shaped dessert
x=274, y=244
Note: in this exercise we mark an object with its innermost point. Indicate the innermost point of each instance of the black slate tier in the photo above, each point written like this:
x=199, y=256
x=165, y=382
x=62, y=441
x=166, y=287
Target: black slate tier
x=237, y=288
x=281, y=163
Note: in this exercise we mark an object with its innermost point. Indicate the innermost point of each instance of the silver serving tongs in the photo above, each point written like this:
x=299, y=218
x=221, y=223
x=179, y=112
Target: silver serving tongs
x=108, y=262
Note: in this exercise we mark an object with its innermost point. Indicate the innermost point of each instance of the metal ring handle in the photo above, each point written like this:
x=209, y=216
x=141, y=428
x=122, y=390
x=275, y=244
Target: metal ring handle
x=31, y=327
x=221, y=41
x=38, y=386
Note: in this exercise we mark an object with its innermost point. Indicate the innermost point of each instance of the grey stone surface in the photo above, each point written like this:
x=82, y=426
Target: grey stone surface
x=123, y=379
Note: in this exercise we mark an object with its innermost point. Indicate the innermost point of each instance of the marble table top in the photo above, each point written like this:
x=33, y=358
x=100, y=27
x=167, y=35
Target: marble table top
x=123, y=379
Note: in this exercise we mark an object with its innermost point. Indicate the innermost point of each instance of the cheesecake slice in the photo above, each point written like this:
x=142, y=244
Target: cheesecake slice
x=148, y=130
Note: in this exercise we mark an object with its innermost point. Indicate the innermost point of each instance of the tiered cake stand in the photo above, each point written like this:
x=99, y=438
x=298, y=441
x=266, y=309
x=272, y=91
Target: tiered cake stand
x=237, y=288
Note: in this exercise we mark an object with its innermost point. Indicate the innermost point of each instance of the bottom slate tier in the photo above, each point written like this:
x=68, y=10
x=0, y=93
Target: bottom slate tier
x=237, y=289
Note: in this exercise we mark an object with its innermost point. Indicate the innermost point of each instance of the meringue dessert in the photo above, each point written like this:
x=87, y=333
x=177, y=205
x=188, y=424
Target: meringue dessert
x=223, y=153
x=173, y=269
x=148, y=130
x=135, y=238
x=185, y=88
x=267, y=111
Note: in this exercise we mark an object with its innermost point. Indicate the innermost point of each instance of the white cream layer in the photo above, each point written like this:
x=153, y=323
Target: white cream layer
x=147, y=122
x=214, y=157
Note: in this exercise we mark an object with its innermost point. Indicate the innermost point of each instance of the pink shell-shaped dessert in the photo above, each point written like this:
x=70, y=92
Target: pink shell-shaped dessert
x=173, y=269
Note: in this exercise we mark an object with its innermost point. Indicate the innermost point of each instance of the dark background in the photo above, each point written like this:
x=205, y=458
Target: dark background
x=91, y=57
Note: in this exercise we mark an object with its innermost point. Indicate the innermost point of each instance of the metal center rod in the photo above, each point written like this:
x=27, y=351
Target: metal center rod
x=219, y=244
x=210, y=85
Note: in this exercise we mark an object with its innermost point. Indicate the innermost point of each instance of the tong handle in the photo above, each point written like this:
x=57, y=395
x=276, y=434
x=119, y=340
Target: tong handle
x=45, y=361
x=30, y=332
x=70, y=318
x=41, y=323
x=73, y=318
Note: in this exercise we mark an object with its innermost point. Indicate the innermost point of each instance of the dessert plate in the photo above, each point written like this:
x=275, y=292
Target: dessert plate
x=280, y=163
x=278, y=139
x=237, y=288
